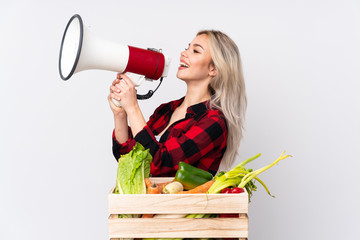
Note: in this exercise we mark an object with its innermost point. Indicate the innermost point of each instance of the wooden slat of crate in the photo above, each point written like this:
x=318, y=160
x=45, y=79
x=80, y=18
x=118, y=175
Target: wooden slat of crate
x=177, y=203
x=178, y=227
x=161, y=179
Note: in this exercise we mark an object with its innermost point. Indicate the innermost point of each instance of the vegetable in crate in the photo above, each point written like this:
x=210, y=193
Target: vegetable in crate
x=203, y=188
x=173, y=188
x=190, y=176
x=132, y=170
x=241, y=177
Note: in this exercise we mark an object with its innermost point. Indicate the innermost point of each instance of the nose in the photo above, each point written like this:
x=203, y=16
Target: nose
x=183, y=53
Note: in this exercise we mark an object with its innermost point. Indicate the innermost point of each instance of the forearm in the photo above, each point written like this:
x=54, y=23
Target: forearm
x=121, y=128
x=136, y=120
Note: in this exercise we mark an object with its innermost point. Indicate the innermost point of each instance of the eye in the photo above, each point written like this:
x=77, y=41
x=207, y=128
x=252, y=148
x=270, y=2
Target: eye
x=195, y=51
x=186, y=49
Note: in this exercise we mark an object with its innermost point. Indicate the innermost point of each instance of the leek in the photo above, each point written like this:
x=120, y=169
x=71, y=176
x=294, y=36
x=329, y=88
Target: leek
x=241, y=177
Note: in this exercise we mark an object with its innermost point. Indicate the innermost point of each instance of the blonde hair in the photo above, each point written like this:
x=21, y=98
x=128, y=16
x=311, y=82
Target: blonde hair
x=227, y=90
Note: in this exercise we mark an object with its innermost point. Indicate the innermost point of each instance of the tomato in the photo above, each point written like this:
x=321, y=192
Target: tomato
x=226, y=190
x=237, y=190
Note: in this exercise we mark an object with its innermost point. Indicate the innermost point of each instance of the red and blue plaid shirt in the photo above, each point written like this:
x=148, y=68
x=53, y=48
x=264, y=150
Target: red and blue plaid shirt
x=199, y=139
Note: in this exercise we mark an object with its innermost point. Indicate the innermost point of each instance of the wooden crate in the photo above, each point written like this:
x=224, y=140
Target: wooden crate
x=177, y=204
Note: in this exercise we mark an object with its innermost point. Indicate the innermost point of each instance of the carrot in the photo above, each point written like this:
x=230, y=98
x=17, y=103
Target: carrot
x=199, y=189
x=161, y=186
x=147, y=182
x=151, y=189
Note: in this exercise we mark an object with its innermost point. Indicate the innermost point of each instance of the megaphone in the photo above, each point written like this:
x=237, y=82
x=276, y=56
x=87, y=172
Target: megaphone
x=82, y=50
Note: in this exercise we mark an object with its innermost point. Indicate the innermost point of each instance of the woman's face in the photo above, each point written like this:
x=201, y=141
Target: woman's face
x=195, y=60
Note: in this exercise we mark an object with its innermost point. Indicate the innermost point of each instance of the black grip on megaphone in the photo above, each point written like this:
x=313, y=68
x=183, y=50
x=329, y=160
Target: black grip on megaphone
x=150, y=93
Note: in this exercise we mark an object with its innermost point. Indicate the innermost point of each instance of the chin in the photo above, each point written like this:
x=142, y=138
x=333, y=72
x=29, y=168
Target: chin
x=180, y=76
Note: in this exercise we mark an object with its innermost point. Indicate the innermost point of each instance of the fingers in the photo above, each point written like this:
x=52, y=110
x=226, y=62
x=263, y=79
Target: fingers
x=116, y=81
x=110, y=99
x=114, y=107
x=126, y=79
x=117, y=86
x=114, y=89
x=122, y=84
x=115, y=96
x=123, y=80
x=121, y=87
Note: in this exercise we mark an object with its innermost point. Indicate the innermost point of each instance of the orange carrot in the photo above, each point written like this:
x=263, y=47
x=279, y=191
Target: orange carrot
x=199, y=189
x=161, y=186
x=147, y=182
x=151, y=189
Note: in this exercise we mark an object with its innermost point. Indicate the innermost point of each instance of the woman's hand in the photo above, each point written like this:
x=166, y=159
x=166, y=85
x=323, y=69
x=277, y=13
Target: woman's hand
x=126, y=93
x=114, y=94
x=123, y=91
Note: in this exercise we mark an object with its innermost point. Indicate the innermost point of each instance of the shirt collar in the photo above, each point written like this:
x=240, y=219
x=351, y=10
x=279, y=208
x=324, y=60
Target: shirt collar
x=196, y=109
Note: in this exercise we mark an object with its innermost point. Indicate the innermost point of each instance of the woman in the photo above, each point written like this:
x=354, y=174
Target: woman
x=204, y=128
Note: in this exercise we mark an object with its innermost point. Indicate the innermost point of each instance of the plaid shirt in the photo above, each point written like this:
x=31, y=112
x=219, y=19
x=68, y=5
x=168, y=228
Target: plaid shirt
x=199, y=139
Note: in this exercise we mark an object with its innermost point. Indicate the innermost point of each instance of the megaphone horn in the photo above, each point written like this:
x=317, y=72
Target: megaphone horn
x=82, y=50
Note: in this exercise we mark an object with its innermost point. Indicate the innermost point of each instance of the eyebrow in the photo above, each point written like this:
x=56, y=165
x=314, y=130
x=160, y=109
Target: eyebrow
x=197, y=45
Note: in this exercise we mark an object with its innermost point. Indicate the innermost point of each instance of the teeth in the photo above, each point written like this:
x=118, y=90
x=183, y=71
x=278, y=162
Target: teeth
x=183, y=65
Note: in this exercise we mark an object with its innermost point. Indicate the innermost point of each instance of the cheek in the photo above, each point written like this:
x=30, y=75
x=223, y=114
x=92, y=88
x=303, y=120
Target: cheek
x=200, y=72
x=202, y=65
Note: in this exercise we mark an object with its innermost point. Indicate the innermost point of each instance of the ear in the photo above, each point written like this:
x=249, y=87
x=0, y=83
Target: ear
x=212, y=70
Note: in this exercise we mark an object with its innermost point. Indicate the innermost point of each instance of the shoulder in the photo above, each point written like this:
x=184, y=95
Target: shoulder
x=211, y=125
x=212, y=118
x=219, y=118
x=215, y=113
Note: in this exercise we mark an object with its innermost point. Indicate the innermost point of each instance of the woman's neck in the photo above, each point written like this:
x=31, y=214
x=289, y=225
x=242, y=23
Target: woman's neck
x=195, y=94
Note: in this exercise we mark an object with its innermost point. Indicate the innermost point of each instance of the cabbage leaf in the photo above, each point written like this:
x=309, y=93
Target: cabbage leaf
x=133, y=168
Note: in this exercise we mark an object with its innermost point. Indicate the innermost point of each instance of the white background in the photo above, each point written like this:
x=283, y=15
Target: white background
x=301, y=64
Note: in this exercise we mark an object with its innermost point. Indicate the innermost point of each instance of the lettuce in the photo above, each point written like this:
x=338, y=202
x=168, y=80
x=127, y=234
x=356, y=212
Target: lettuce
x=133, y=168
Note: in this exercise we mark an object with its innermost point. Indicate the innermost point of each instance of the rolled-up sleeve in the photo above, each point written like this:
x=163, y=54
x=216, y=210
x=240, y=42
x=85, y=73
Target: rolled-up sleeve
x=122, y=148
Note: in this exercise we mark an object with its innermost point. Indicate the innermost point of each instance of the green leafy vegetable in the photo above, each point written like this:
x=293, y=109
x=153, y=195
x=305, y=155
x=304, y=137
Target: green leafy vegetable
x=241, y=177
x=133, y=168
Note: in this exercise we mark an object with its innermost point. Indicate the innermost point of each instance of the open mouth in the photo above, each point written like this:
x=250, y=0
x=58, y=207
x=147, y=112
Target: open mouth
x=184, y=65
